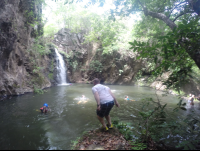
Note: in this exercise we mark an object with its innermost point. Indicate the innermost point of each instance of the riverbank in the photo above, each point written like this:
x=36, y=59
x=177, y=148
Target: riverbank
x=99, y=140
x=110, y=140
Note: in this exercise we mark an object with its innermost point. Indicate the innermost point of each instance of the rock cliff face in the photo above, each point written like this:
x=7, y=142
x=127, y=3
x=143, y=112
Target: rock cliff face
x=87, y=61
x=18, y=30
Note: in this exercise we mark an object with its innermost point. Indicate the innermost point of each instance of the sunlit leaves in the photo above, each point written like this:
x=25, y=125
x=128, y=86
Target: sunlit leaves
x=175, y=49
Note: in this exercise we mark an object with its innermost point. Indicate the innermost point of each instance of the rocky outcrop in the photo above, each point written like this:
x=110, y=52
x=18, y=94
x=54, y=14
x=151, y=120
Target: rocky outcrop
x=20, y=24
x=85, y=61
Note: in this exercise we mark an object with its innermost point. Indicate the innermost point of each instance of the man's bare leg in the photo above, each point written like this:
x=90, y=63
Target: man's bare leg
x=102, y=121
x=108, y=119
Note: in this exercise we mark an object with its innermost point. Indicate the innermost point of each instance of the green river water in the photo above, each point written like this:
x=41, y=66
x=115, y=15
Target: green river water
x=24, y=127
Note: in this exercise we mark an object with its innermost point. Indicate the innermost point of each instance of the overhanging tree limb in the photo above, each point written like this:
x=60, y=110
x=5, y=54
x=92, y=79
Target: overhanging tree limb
x=160, y=16
x=176, y=6
x=181, y=14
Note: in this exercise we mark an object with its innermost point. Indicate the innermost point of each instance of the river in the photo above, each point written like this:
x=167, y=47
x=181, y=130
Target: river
x=24, y=127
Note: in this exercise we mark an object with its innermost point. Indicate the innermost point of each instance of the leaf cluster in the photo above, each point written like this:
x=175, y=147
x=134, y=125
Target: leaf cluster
x=96, y=66
x=172, y=52
x=111, y=35
x=123, y=129
x=162, y=126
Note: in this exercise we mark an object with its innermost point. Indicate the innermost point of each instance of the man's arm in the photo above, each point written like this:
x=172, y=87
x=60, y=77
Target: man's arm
x=44, y=108
x=117, y=104
x=96, y=96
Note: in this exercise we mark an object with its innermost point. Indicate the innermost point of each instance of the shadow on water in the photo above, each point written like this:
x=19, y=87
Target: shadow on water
x=24, y=127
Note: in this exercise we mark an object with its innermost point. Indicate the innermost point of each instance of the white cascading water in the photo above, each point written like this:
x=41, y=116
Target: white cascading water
x=61, y=76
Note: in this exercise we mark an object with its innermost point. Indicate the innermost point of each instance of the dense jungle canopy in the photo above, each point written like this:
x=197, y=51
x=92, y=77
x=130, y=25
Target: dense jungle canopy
x=164, y=32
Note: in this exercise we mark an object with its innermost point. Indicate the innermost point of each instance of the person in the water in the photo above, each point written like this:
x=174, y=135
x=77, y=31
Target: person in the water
x=83, y=99
x=127, y=99
x=45, y=108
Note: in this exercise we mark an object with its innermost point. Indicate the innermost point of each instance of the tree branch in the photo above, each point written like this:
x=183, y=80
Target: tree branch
x=158, y=11
x=160, y=16
x=181, y=14
x=176, y=7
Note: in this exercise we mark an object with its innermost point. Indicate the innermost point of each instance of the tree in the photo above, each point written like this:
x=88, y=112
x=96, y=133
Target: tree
x=169, y=11
x=177, y=45
x=169, y=29
x=111, y=35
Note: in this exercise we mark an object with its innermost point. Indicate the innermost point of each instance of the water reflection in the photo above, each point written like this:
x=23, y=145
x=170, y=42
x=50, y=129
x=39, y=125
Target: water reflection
x=60, y=104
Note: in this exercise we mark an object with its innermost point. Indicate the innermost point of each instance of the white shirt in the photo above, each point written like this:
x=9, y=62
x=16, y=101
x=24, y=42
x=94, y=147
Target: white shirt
x=103, y=92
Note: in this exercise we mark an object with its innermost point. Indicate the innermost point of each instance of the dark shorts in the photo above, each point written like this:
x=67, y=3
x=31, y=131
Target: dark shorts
x=105, y=109
x=44, y=111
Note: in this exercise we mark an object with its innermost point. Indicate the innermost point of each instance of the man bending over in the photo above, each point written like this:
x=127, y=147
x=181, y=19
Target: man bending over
x=105, y=101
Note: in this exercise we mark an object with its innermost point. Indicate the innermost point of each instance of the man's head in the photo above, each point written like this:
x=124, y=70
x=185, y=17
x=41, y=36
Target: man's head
x=96, y=81
x=45, y=105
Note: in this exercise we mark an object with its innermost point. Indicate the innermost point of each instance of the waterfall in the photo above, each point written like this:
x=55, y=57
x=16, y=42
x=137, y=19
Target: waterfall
x=61, y=75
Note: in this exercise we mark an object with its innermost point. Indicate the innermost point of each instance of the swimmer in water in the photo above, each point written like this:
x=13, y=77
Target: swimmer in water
x=83, y=99
x=45, y=108
x=127, y=99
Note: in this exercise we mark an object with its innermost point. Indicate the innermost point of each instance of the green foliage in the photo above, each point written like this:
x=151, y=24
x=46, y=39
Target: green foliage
x=195, y=74
x=77, y=140
x=38, y=79
x=139, y=75
x=168, y=48
x=179, y=92
x=138, y=146
x=38, y=90
x=112, y=35
x=50, y=75
x=96, y=66
x=170, y=8
x=161, y=126
x=37, y=69
x=69, y=55
x=39, y=47
x=123, y=129
x=74, y=143
x=74, y=65
x=49, y=30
